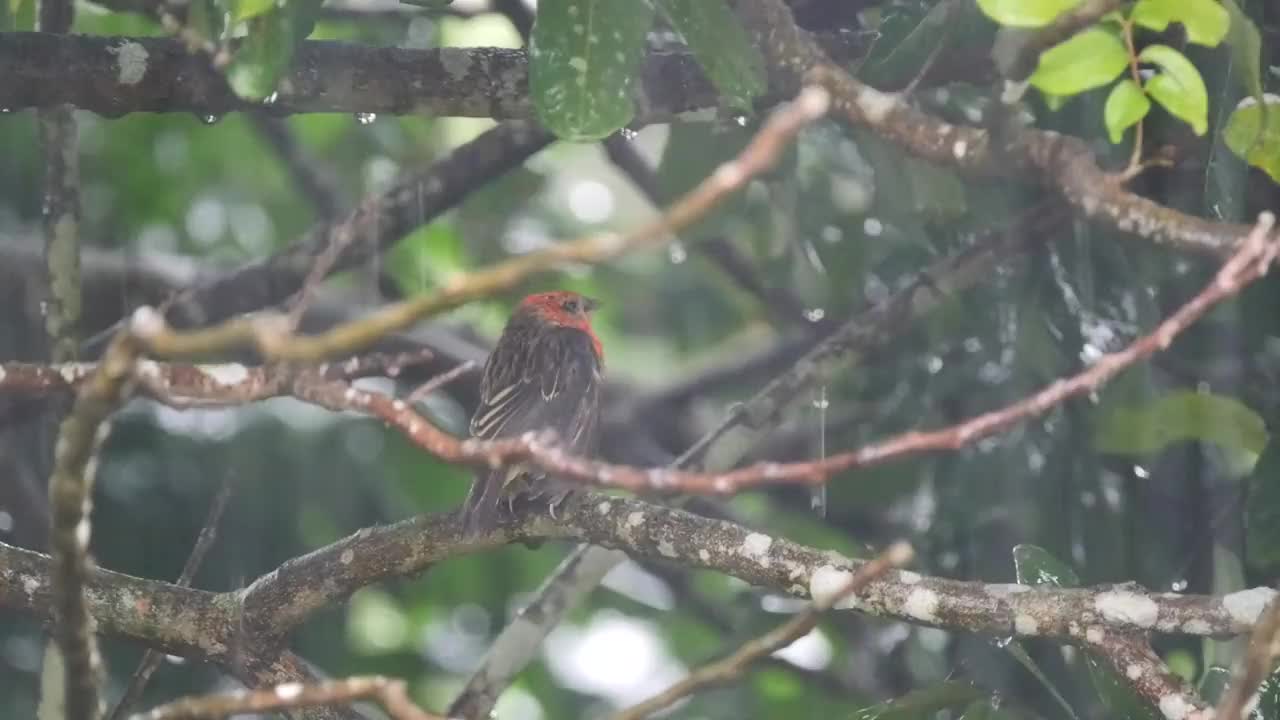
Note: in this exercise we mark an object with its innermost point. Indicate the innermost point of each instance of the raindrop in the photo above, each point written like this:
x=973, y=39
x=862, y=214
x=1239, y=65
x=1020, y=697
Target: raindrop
x=872, y=227
x=814, y=314
x=628, y=134
x=677, y=253
x=210, y=119
x=933, y=364
x=832, y=234
x=5, y=110
x=1178, y=585
x=1141, y=472
x=175, y=659
x=821, y=402
x=741, y=120
x=271, y=99
x=1003, y=642
x=366, y=118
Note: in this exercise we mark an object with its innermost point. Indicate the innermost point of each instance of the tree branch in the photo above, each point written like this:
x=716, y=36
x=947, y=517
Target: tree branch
x=273, y=337
x=1063, y=163
x=391, y=694
x=205, y=626
x=116, y=75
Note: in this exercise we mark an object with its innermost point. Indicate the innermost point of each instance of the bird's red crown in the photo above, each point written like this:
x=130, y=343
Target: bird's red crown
x=565, y=309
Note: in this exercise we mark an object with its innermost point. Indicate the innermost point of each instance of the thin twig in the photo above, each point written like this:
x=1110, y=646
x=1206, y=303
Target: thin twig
x=151, y=659
x=732, y=667
x=1264, y=647
x=439, y=381
x=1248, y=264
x=391, y=694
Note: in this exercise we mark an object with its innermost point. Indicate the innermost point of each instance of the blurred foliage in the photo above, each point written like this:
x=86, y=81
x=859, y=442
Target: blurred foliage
x=1152, y=479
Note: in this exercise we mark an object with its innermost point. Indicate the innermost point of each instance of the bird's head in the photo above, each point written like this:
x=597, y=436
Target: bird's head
x=563, y=309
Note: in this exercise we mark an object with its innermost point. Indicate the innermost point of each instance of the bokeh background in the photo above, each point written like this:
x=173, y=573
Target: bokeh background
x=1153, y=479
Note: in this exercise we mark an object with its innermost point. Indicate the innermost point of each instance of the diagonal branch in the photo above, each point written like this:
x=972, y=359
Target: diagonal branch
x=1062, y=163
x=375, y=225
x=273, y=337
x=585, y=567
x=732, y=667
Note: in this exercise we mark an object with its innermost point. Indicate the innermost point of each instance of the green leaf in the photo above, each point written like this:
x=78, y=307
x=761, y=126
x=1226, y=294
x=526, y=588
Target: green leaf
x=265, y=54
x=1253, y=133
x=17, y=15
x=1126, y=105
x=1213, y=682
x=1025, y=13
x=1178, y=417
x=1206, y=21
x=918, y=703
x=1246, y=48
x=721, y=46
x=1090, y=59
x=583, y=58
x=693, y=151
x=1034, y=565
x=241, y=10
x=1178, y=86
x=1262, y=513
x=1268, y=707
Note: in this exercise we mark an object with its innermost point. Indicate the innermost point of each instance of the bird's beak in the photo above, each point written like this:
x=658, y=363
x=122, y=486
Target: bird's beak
x=590, y=304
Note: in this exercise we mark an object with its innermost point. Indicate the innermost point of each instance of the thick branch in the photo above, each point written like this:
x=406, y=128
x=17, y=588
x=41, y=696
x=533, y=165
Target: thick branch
x=203, y=625
x=117, y=75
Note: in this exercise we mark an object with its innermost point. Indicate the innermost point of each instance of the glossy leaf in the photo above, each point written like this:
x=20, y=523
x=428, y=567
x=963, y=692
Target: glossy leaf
x=922, y=702
x=241, y=10
x=1126, y=106
x=721, y=46
x=17, y=15
x=1268, y=707
x=1246, y=48
x=1025, y=13
x=265, y=54
x=583, y=61
x=1253, y=133
x=1034, y=565
x=1206, y=21
x=1213, y=682
x=1037, y=566
x=1262, y=513
x=1090, y=59
x=1178, y=86
x=1178, y=417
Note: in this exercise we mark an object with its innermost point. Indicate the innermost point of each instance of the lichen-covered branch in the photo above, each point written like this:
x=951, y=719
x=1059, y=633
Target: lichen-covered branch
x=733, y=666
x=1062, y=163
x=205, y=626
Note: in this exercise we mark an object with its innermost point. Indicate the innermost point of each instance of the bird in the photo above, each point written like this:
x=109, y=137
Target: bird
x=545, y=373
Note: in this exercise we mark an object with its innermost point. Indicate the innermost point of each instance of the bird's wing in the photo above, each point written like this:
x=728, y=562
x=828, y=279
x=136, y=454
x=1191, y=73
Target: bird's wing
x=553, y=386
x=559, y=390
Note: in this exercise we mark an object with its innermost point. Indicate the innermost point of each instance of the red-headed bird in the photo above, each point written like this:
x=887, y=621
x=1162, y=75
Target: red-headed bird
x=544, y=373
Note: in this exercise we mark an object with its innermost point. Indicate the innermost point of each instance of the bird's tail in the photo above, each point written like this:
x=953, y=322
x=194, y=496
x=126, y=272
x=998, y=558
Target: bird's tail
x=480, y=511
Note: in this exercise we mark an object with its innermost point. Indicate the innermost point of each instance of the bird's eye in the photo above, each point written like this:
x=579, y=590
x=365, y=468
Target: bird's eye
x=570, y=305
